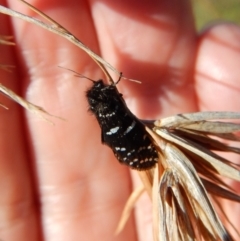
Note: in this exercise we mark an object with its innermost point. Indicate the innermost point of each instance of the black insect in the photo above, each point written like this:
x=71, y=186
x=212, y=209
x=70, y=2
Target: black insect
x=121, y=130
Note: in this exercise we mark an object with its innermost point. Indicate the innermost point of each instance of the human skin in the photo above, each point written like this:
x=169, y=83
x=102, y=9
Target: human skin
x=59, y=182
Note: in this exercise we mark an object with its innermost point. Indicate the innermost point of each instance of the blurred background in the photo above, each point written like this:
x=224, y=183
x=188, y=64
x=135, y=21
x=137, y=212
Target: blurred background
x=208, y=11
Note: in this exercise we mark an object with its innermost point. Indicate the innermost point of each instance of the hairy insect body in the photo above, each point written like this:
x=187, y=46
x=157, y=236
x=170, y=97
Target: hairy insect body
x=121, y=130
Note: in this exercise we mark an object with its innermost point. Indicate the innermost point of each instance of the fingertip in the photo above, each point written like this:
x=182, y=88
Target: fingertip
x=153, y=42
x=217, y=67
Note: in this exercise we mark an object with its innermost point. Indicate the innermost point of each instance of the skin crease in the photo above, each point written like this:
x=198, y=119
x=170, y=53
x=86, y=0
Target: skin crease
x=58, y=182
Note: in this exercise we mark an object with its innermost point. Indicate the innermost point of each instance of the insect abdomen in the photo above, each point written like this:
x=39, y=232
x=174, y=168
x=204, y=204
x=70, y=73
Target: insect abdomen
x=121, y=130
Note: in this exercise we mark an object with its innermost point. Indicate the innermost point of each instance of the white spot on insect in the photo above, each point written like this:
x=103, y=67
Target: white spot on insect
x=107, y=115
x=130, y=153
x=131, y=163
x=110, y=115
x=120, y=148
x=125, y=158
x=113, y=130
x=135, y=160
x=130, y=127
x=141, y=148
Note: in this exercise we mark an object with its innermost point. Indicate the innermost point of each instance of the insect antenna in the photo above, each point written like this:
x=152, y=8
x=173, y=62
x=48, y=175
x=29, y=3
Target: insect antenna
x=83, y=76
x=119, y=78
x=77, y=74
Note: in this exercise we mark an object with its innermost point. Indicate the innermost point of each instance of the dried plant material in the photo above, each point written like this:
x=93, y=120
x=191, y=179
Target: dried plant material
x=181, y=193
x=155, y=203
x=27, y=105
x=147, y=179
x=129, y=207
x=3, y=106
x=181, y=202
x=221, y=211
x=61, y=31
x=189, y=118
x=207, y=156
x=7, y=67
x=186, y=142
x=219, y=191
x=6, y=40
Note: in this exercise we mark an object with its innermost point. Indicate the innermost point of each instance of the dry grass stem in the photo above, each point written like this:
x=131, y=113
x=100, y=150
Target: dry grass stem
x=7, y=67
x=129, y=207
x=27, y=105
x=189, y=172
x=192, y=171
x=61, y=31
x=6, y=40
